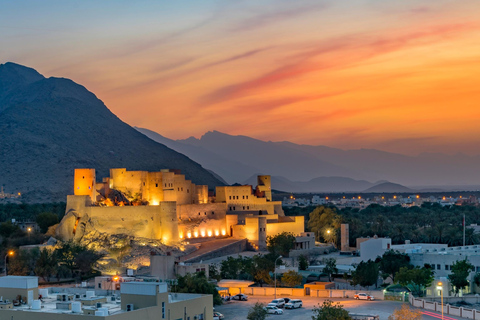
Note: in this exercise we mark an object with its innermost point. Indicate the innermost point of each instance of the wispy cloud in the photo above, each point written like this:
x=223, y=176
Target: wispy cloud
x=355, y=48
x=277, y=14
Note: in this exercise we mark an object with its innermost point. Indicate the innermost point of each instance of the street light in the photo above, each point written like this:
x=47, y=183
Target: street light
x=275, y=275
x=440, y=287
x=10, y=253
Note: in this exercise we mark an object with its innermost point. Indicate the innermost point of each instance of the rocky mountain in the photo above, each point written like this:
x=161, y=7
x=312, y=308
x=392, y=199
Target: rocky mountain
x=50, y=126
x=235, y=157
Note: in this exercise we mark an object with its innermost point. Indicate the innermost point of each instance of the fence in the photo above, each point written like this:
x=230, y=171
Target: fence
x=447, y=309
x=300, y=292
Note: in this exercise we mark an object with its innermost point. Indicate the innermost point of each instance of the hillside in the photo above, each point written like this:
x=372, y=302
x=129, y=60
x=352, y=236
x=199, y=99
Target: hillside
x=50, y=126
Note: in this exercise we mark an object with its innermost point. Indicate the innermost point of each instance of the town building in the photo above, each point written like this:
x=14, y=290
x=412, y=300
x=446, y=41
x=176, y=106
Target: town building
x=23, y=300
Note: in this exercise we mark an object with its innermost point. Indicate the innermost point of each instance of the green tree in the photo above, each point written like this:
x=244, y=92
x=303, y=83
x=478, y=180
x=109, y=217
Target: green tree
x=329, y=311
x=476, y=279
x=198, y=283
x=281, y=244
x=330, y=267
x=391, y=262
x=7, y=229
x=257, y=312
x=291, y=279
x=230, y=268
x=416, y=278
x=213, y=272
x=45, y=220
x=365, y=274
x=76, y=257
x=262, y=268
x=22, y=263
x=322, y=219
x=406, y=313
x=302, y=262
x=85, y=260
x=459, y=274
x=46, y=264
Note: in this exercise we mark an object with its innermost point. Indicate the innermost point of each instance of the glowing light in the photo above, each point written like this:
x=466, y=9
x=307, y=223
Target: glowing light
x=202, y=233
x=11, y=253
x=209, y=233
x=217, y=233
x=154, y=203
x=328, y=231
x=181, y=235
x=195, y=234
x=443, y=198
x=189, y=235
x=418, y=196
x=394, y=197
x=326, y=198
x=29, y=229
x=359, y=197
x=223, y=232
x=383, y=198
x=115, y=278
x=165, y=239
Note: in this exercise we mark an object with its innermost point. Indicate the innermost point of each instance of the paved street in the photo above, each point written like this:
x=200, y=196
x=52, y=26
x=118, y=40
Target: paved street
x=238, y=310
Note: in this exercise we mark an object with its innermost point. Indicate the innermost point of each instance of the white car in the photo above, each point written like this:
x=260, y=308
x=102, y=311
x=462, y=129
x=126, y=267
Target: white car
x=279, y=303
x=240, y=297
x=293, y=304
x=272, y=309
x=363, y=296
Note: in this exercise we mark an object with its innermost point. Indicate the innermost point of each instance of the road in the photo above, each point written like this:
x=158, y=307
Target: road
x=238, y=310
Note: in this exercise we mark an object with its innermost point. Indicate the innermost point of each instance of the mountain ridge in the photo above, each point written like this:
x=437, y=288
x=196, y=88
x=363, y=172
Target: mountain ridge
x=50, y=126
x=301, y=162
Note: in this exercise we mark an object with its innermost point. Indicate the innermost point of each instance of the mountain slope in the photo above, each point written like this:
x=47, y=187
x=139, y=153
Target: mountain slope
x=234, y=170
x=304, y=162
x=269, y=157
x=49, y=127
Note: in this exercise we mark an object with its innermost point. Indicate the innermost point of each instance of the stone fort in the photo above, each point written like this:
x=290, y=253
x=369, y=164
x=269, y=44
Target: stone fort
x=165, y=206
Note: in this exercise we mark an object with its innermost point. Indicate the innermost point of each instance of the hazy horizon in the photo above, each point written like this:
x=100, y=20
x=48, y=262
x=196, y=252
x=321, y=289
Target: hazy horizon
x=393, y=76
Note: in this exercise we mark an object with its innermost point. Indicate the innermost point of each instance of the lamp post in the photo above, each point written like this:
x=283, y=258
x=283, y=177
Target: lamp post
x=10, y=253
x=275, y=275
x=440, y=287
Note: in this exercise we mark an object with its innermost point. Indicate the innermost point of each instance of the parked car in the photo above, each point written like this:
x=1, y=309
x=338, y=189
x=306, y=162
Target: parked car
x=279, y=303
x=363, y=296
x=240, y=297
x=272, y=309
x=293, y=304
x=218, y=315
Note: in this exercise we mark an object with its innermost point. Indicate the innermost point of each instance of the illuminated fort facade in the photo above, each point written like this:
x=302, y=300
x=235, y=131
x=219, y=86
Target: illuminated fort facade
x=165, y=206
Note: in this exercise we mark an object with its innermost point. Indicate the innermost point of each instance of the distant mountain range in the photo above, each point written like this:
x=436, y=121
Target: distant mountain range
x=49, y=127
x=317, y=168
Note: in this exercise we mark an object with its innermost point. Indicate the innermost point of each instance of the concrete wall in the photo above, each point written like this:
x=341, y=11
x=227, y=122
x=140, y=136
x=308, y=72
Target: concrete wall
x=232, y=248
x=374, y=247
x=12, y=293
x=296, y=227
x=300, y=292
x=207, y=219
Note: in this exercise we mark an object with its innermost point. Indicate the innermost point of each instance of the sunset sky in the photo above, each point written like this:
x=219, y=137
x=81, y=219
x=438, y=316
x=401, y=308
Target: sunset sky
x=401, y=76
